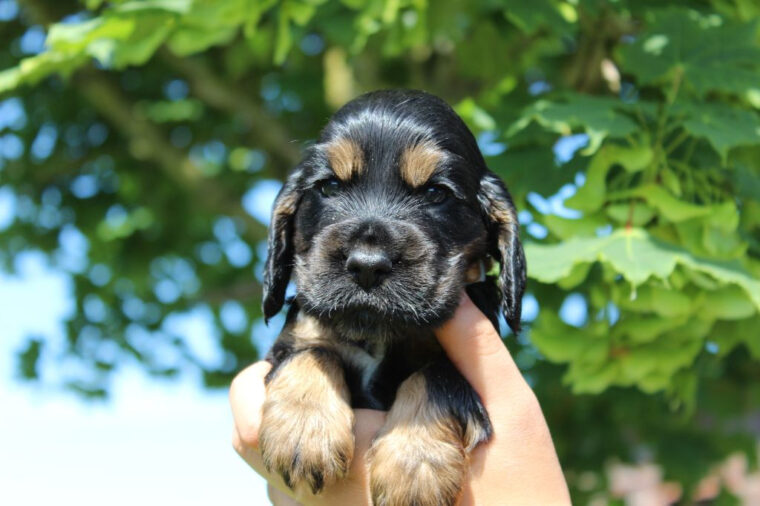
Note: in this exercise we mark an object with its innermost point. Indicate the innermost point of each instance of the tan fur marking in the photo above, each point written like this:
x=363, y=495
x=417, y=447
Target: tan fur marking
x=419, y=162
x=502, y=214
x=418, y=457
x=308, y=332
x=474, y=272
x=286, y=206
x=306, y=427
x=474, y=434
x=346, y=158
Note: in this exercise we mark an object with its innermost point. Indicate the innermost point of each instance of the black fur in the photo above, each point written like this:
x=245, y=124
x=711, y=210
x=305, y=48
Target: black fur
x=384, y=123
x=430, y=245
x=448, y=389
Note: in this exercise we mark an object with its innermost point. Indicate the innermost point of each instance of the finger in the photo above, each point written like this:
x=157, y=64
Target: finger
x=247, y=393
x=476, y=349
x=279, y=498
x=521, y=440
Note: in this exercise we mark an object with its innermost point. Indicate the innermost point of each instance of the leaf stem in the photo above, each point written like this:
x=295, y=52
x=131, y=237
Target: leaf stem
x=629, y=221
x=676, y=142
x=690, y=150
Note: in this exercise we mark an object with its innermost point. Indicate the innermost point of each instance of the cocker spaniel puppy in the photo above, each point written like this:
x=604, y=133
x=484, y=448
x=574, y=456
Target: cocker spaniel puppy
x=389, y=216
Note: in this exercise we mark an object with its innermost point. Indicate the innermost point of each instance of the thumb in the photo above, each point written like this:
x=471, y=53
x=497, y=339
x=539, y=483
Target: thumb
x=476, y=349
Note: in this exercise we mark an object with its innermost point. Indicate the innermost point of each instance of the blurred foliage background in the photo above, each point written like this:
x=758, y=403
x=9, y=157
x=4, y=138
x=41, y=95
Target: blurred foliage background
x=141, y=142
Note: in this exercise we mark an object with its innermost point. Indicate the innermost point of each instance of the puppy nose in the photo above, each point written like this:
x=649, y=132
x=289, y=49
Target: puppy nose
x=368, y=266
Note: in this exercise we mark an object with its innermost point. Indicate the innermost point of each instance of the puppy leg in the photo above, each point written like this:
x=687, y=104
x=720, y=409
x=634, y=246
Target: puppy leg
x=306, y=428
x=420, y=456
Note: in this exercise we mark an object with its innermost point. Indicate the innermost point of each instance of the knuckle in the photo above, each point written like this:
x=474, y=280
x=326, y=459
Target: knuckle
x=248, y=436
x=237, y=443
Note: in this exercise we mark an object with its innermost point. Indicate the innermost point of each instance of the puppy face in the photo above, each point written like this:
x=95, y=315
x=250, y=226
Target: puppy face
x=385, y=215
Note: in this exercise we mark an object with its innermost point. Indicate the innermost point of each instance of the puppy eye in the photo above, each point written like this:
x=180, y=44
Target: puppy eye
x=436, y=194
x=329, y=187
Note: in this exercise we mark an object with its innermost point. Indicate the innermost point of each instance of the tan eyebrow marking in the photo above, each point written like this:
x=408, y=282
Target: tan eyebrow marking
x=346, y=158
x=418, y=163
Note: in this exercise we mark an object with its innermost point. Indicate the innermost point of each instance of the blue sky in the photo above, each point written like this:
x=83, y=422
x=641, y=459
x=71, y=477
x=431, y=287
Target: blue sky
x=156, y=441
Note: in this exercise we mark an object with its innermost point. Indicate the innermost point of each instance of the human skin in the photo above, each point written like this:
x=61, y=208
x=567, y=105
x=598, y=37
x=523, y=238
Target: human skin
x=518, y=466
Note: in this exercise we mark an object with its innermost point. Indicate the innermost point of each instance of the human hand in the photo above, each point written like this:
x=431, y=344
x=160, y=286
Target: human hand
x=247, y=394
x=517, y=466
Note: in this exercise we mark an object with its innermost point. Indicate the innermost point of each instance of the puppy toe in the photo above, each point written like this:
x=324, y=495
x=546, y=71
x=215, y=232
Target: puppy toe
x=306, y=432
x=314, y=449
x=420, y=466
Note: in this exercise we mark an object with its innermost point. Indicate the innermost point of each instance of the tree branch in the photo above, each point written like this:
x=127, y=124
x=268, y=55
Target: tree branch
x=266, y=131
x=148, y=142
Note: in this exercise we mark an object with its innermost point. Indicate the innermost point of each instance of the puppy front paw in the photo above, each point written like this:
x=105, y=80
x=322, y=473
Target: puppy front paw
x=306, y=432
x=420, y=456
x=420, y=465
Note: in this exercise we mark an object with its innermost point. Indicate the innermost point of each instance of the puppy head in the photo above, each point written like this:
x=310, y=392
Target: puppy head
x=384, y=217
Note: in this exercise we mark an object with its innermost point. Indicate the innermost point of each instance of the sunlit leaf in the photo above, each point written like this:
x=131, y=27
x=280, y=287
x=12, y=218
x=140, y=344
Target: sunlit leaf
x=709, y=52
x=724, y=127
x=598, y=117
x=593, y=193
x=636, y=256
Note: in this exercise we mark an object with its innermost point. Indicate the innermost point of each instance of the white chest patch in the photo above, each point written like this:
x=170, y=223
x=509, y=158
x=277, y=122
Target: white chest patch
x=364, y=361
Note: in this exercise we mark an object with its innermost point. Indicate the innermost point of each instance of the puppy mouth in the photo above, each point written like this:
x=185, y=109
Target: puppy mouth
x=360, y=316
x=393, y=304
x=363, y=309
x=416, y=288
x=362, y=322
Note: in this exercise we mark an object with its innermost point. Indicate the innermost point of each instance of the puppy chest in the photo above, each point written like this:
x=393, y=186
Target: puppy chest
x=374, y=373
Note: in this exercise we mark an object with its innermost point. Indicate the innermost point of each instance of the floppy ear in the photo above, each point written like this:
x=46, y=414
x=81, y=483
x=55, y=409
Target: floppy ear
x=504, y=244
x=279, y=264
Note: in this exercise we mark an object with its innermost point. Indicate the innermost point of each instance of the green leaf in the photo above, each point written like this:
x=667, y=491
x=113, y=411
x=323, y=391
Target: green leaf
x=724, y=127
x=189, y=40
x=669, y=207
x=637, y=213
x=149, y=34
x=530, y=17
x=598, y=117
x=562, y=343
x=654, y=298
x=727, y=303
x=644, y=329
x=636, y=256
x=475, y=115
x=577, y=275
x=284, y=40
x=175, y=6
x=35, y=68
x=633, y=253
x=177, y=110
x=729, y=334
x=657, y=349
x=591, y=379
x=29, y=358
x=565, y=228
x=487, y=39
x=212, y=23
x=593, y=193
x=652, y=366
x=530, y=169
x=709, y=52
x=76, y=37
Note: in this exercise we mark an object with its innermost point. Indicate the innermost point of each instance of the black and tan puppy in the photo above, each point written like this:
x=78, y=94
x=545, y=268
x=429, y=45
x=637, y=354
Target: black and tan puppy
x=388, y=217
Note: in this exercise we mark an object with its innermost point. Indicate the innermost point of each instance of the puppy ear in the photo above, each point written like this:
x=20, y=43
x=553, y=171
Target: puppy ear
x=279, y=264
x=504, y=244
